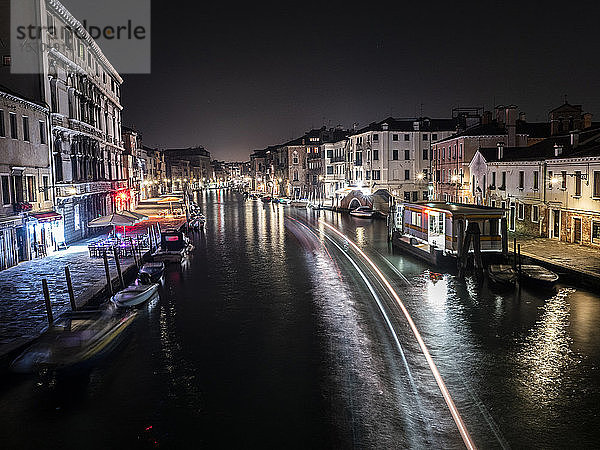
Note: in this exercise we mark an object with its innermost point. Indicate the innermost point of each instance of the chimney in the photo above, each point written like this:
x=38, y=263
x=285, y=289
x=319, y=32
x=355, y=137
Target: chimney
x=500, y=112
x=574, y=139
x=522, y=117
x=587, y=120
x=500, y=146
x=487, y=118
x=384, y=127
x=416, y=125
x=558, y=149
x=511, y=125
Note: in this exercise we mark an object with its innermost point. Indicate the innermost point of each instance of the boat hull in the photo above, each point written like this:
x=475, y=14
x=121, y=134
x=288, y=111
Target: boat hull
x=135, y=295
x=538, y=276
x=502, y=275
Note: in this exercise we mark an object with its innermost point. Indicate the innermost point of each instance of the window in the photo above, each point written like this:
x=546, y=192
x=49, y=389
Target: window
x=407, y=137
x=2, y=128
x=5, y=190
x=595, y=232
x=564, y=180
x=330, y=154
x=415, y=198
x=31, y=194
x=425, y=195
x=460, y=154
x=521, y=179
x=13, y=125
x=503, y=205
x=295, y=158
x=494, y=227
x=375, y=154
x=394, y=137
x=425, y=151
x=536, y=180
x=17, y=190
x=443, y=153
x=43, y=132
x=46, y=188
x=375, y=137
x=376, y=175
x=406, y=155
x=329, y=170
x=535, y=213
x=493, y=203
x=50, y=24
x=493, y=186
x=81, y=50
x=577, y=183
x=434, y=137
x=26, y=128
x=395, y=155
x=503, y=180
x=596, y=184
x=407, y=196
x=295, y=175
x=425, y=136
x=407, y=174
x=68, y=37
x=521, y=210
x=437, y=175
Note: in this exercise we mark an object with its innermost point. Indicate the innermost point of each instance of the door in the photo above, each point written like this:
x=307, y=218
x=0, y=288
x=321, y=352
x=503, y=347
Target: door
x=577, y=231
x=556, y=224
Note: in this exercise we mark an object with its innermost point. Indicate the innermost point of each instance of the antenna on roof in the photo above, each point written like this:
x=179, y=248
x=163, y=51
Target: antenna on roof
x=565, y=98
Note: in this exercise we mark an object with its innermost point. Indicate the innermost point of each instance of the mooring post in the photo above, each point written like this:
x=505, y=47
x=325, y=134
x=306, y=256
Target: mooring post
x=515, y=253
x=519, y=259
x=47, y=301
x=116, y=253
x=107, y=270
x=70, y=289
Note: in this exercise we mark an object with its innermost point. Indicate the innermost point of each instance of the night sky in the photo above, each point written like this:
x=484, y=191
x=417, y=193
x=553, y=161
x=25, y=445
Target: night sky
x=234, y=79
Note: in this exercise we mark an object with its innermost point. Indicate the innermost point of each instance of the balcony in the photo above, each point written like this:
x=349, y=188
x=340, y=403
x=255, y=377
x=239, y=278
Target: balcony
x=338, y=159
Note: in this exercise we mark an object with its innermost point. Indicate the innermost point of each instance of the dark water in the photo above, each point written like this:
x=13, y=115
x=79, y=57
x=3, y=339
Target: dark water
x=272, y=335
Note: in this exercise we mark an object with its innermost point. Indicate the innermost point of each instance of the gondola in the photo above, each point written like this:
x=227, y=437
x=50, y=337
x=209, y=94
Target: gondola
x=75, y=340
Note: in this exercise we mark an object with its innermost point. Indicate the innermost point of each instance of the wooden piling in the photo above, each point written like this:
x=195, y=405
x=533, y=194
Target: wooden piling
x=47, y=301
x=70, y=289
x=107, y=270
x=514, y=253
x=519, y=260
x=116, y=253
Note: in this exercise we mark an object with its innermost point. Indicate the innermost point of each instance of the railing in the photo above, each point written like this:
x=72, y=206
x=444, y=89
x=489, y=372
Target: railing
x=338, y=159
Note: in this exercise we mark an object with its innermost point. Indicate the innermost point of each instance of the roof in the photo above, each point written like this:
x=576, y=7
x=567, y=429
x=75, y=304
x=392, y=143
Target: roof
x=588, y=146
x=460, y=209
x=407, y=125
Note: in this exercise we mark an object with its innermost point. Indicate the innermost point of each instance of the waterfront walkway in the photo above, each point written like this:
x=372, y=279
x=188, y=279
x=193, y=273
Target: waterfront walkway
x=562, y=255
x=22, y=310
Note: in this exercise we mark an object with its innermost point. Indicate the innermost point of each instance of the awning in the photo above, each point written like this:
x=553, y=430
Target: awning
x=49, y=216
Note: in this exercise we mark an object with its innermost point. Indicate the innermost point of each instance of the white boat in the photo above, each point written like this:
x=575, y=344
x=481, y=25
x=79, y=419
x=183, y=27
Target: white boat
x=152, y=271
x=300, y=203
x=135, y=295
x=363, y=211
x=284, y=200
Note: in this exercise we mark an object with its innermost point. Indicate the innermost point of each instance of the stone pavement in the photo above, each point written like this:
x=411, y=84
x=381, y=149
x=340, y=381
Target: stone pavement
x=572, y=257
x=22, y=310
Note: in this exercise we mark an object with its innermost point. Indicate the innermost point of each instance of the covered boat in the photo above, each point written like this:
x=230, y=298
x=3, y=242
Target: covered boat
x=173, y=247
x=538, y=276
x=502, y=275
x=76, y=340
x=151, y=271
x=135, y=295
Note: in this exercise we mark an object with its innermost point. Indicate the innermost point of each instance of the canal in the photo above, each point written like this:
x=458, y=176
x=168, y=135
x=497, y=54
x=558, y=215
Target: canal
x=279, y=332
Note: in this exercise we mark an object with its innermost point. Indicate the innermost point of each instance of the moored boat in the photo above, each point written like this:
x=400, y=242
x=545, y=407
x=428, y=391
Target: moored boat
x=538, y=276
x=284, y=200
x=173, y=247
x=135, y=295
x=299, y=203
x=363, y=212
x=266, y=198
x=502, y=275
x=152, y=270
x=75, y=340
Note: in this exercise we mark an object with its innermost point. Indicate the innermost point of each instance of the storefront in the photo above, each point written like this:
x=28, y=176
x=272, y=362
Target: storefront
x=45, y=233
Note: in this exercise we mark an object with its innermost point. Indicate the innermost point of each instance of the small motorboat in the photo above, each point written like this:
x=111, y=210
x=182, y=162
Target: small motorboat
x=152, y=271
x=75, y=340
x=538, y=276
x=266, y=198
x=135, y=295
x=197, y=221
x=363, y=211
x=502, y=275
x=284, y=200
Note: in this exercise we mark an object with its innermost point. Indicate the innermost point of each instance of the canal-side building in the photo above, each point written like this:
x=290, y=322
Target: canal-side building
x=185, y=168
x=29, y=226
x=551, y=189
x=334, y=162
x=395, y=154
x=83, y=91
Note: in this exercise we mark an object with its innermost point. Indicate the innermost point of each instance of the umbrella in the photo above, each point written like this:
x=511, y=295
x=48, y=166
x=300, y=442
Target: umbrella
x=114, y=219
x=139, y=217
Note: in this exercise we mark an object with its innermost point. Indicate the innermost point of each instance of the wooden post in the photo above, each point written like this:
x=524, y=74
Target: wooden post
x=107, y=270
x=519, y=259
x=70, y=288
x=47, y=301
x=515, y=253
x=504, y=232
x=116, y=253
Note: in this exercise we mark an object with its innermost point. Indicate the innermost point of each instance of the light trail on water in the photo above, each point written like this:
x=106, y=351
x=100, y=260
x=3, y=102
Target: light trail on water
x=464, y=433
